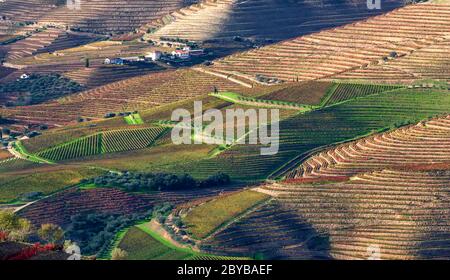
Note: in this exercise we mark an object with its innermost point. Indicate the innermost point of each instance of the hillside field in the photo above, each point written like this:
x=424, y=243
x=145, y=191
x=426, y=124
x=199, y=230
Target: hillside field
x=353, y=102
x=204, y=219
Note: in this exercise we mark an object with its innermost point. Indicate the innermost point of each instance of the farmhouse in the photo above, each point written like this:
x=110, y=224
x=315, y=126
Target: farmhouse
x=194, y=52
x=153, y=56
x=181, y=54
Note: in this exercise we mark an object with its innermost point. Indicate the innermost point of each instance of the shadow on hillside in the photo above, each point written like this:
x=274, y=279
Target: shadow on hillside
x=272, y=232
x=278, y=20
x=434, y=246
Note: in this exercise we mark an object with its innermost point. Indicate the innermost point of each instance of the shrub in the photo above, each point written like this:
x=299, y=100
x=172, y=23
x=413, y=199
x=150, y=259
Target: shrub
x=17, y=229
x=39, y=88
x=118, y=254
x=94, y=231
x=51, y=233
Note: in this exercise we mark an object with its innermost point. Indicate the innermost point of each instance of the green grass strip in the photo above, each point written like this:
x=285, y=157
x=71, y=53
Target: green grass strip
x=18, y=147
x=249, y=101
x=134, y=119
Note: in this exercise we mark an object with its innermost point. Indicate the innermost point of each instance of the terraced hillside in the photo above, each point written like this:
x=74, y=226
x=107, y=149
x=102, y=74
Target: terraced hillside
x=103, y=142
x=414, y=147
x=26, y=187
x=143, y=246
x=225, y=19
x=58, y=208
x=67, y=55
x=383, y=214
x=396, y=35
x=311, y=93
x=13, y=164
x=47, y=40
x=104, y=74
x=341, y=92
x=270, y=232
x=302, y=135
x=97, y=16
x=430, y=62
x=21, y=11
x=143, y=92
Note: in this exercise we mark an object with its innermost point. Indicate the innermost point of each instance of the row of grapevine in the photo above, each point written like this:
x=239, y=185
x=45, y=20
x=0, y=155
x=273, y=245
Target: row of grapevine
x=350, y=91
x=353, y=51
x=83, y=147
x=125, y=140
x=413, y=147
x=12, y=164
x=159, y=89
x=103, y=142
x=407, y=221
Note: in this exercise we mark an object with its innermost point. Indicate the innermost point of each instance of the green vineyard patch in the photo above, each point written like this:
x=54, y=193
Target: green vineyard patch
x=103, y=142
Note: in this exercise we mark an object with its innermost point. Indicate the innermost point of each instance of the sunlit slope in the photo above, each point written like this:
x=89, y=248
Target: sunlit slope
x=303, y=134
x=98, y=16
x=415, y=147
x=383, y=215
x=263, y=19
x=393, y=36
x=140, y=93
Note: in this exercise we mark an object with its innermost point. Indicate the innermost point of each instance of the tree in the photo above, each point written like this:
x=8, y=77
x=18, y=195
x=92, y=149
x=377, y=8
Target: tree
x=15, y=227
x=118, y=254
x=51, y=233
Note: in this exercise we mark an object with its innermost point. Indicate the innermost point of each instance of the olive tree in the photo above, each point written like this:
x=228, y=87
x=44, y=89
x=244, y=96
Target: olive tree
x=18, y=229
x=51, y=233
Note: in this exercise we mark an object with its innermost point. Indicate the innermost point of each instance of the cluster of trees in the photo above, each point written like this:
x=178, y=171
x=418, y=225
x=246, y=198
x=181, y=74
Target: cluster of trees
x=12, y=40
x=216, y=180
x=121, y=114
x=268, y=101
x=176, y=39
x=118, y=254
x=15, y=228
x=161, y=212
x=94, y=231
x=51, y=233
x=39, y=88
x=131, y=181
